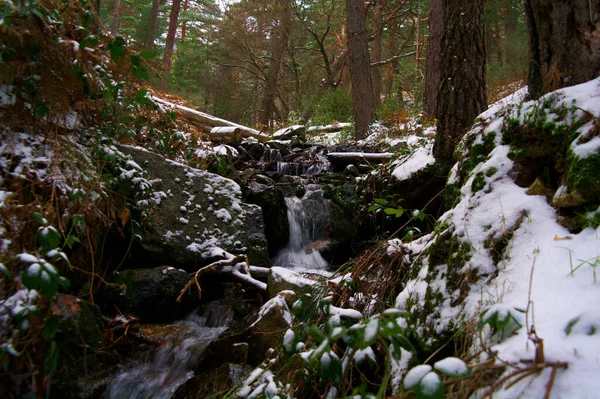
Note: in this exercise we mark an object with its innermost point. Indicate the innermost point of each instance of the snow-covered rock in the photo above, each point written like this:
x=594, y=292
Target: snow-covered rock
x=215, y=218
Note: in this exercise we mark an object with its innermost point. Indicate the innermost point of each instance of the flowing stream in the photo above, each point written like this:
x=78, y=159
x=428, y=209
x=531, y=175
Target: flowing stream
x=308, y=217
x=173, y=363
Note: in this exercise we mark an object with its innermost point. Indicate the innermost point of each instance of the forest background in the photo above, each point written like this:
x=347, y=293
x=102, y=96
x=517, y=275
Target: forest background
x=272, y=63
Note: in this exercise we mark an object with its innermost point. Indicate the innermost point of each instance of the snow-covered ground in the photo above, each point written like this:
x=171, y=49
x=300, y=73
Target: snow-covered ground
x=546, y=271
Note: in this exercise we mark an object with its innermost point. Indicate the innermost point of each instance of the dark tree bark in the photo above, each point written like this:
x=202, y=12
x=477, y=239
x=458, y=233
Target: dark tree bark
x=153, y=24
x=434, y=50
x=376, y=50
x=278, y=50
x=462, y=93
x=114, y=30
x=170, y=43
x=564, y=43
x=360, y=68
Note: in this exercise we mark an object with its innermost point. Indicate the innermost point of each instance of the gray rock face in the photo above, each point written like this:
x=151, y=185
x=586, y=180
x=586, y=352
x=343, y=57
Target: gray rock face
x=194, y=215
x=274, y=318
x=274, y=210
x=150, y=294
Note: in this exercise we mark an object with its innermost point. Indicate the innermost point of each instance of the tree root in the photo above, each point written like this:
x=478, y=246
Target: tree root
x=235, y=266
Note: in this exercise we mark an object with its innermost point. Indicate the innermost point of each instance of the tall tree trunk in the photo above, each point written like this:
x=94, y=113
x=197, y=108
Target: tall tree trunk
x=278, y=50
x=434, y=53
x=153, y=24
x=462, y=94
x=186, y=5
x=564, y=43
x=498, y=38
x=360, y=68
x=376, y=49
x=114, y=30
x=170, y=43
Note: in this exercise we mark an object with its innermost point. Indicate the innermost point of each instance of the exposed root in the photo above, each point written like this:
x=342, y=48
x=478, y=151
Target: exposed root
x=235, y=266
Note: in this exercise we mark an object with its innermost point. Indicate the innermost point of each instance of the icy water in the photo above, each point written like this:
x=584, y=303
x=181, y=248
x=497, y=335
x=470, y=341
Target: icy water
x=172, y=364
x=308, y=217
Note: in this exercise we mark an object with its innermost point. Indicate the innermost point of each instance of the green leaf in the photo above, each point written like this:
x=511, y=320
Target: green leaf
x=48, y=284
x=289, y=343
x=48, y=238
x=404, y=343
x=72, y=240
x=452, y=367
x=49, y=330
x=64, y=282
x=31, y=277
x=373, y=208
x=369, y=333
x=390, y=329
x=39, y=219
x=51, y=360
x=41, y=108
x=330, y=368
x=380, y=201
x=141, y=73
x=430, y=387
x=571, y=324
x=135, y=59
x=147, y=54
x=420, y=216
x=316, y=333
x=4, y=270
x=119, y=41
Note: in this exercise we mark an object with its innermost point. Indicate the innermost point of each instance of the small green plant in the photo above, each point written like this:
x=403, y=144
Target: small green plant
x=504, y=320
x=427, y=382
x=593, y=262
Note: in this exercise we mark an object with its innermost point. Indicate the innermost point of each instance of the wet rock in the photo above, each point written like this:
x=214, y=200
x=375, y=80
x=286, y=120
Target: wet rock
x=351, y=170
x=257, y=243
x=80, y=342
x=214, y=382
x=150, y=294
x=192, y=213
x=282, y=280
x=538, y=187
x=564, y=199
x=262, y=179
x=274, y=212
x=274, y=318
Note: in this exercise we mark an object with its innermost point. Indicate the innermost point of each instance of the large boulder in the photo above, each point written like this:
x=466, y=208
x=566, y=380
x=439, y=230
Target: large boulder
x=78, y=345
x=195, y=215
x=274, y=211
x=150, y=294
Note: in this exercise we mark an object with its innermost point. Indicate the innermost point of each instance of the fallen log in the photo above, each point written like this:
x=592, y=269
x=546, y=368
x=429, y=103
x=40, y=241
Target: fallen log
x=205, y=119
x=335, y=127
x=226, y=134
x=351, y=157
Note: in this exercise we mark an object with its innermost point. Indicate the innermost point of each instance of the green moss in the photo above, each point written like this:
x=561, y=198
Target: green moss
x=583, y=174
x=491, y=171
x=478, y=183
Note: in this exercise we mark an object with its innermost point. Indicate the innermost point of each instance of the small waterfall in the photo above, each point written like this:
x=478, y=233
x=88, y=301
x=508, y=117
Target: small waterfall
x=308, y=217
x=173, y=363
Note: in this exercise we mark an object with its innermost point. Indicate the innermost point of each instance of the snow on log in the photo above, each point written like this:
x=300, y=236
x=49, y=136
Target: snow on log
x=350, y=157
x=226, y=134
x=335, y=127
x=212, y=121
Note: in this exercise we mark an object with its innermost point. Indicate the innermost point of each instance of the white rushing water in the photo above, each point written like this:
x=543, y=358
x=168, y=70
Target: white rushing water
x=173, y=363
x=308, y=217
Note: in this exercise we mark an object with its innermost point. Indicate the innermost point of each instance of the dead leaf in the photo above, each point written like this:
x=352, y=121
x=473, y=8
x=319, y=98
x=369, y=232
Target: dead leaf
x=124, y=215
x=557, y=238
